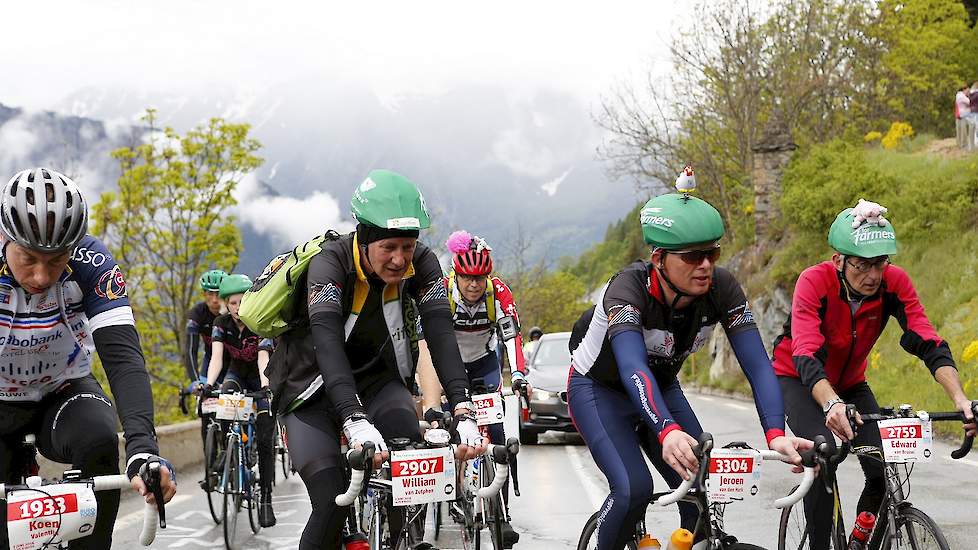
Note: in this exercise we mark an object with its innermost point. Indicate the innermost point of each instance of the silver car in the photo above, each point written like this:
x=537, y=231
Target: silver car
x=547, y=373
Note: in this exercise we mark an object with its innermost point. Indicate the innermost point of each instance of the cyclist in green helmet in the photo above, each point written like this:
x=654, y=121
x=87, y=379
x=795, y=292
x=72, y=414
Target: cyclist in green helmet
x=627, y=350
x=200, y=320
x=838, y=312
x=350, y=369
x=247, y=356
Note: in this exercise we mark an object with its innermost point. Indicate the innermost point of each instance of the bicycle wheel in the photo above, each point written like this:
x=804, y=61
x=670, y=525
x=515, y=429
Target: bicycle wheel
x=793, y=530
x=916, y=531
x=232, y=490
x=492, y=507
x=589, y=536
x=254, y=497
x=212, y=479
x=282, y=450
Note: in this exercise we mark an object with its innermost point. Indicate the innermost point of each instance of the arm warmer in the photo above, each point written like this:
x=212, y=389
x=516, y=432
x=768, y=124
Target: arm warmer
x=193, y=342
x=633, y=369
x=122, y=358
x=334, y=365
x=754, y=361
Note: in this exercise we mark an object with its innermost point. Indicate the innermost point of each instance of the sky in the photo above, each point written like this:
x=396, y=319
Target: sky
x=397, y=50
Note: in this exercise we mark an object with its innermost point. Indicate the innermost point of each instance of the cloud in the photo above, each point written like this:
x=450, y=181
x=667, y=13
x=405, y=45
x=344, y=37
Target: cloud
x=551, y=186
x=17, y=143
x=287, y=221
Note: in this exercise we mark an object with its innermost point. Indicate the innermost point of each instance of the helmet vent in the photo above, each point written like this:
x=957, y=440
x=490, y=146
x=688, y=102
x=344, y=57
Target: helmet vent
x=29, y=192
x=13, y=188
x=50, y=227
x=68, y=199
x=16, y=219
x=30, y=177
x=49, y=191
x=45, y=174
x=32, y=219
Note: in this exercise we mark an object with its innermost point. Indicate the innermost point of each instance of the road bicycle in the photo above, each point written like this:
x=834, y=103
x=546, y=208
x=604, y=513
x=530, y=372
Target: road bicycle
x=899, y=524
x=48, y=514
x=709, y=533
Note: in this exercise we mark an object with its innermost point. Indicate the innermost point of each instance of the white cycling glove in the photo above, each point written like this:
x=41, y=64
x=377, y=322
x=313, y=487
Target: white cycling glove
x=468, y=432
x=359, y=430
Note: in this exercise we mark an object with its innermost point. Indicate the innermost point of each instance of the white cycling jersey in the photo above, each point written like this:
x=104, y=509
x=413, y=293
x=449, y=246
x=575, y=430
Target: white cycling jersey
x=46, y=339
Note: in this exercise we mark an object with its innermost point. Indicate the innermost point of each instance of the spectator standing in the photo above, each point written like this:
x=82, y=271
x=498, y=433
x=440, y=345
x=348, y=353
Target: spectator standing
x=962, y=108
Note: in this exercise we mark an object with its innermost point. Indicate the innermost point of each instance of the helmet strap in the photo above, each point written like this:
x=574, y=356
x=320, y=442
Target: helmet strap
x=679, y=293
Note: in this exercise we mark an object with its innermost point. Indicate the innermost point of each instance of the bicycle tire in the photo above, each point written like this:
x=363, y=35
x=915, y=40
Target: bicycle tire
x=232, y=491
x=918, y=528
x=792, y=528
x=492, y=508
x=437, y=518
x=211, y=479
x=253, y=499
x=282, y=450
x=590, y=532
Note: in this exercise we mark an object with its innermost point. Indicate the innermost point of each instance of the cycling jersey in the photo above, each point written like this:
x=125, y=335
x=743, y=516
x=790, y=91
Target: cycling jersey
x=363, y=333
x=474, y=330
x=634, y=301
x=200, y=325
x=829, y=336
x=240, y=346
x=47, y=339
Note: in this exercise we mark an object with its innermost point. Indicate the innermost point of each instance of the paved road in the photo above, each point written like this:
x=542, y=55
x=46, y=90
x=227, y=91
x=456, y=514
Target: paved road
x=562, y=488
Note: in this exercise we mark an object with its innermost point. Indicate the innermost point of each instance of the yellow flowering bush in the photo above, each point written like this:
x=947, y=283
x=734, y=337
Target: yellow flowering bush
x=872, y=136
x=898, y=132
x=971, y=352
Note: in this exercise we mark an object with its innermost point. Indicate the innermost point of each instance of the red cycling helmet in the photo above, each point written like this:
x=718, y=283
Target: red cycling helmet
x=470, y=254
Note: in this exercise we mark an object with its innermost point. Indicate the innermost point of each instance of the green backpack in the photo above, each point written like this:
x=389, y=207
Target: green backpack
x=269, y=307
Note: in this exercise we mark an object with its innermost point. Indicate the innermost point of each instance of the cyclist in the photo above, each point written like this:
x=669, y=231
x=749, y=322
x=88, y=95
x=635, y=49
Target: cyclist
x=350, y=368
x=200, y=324
x=477, y=299
x=534, y=339
x=61, y=295
x=623, y=393
x=838, y=312
x=248, y=356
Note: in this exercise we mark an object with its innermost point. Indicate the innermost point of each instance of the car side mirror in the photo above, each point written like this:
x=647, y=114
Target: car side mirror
x=508, y=328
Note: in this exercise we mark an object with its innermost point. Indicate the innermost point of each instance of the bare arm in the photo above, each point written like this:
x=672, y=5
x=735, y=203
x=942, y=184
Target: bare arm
x=217, y=361
x=947, y=376
x=263, y=357
x=428, y=379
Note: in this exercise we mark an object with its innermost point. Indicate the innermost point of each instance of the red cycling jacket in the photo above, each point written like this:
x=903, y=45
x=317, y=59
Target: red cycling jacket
x=823, y=338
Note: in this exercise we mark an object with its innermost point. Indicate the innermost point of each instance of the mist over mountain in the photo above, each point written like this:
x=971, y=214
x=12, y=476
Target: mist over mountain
x=489, y=162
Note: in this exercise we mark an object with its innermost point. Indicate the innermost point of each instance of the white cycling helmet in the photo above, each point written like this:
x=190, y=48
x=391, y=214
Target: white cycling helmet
x=43, y=210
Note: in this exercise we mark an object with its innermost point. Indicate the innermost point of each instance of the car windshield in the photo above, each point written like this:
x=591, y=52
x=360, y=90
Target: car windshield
x=552, y=352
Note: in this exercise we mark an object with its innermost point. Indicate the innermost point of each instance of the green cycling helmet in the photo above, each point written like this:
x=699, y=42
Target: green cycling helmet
x=675, y=221
x=389, y=200
x=211, y=281
x=866, y=241
x=235, y=284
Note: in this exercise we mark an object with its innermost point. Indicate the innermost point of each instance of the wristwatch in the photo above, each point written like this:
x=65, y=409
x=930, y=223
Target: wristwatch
x=830, y=403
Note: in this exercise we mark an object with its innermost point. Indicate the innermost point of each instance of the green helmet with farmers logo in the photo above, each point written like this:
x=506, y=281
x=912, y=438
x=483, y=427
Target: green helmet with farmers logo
x=866, y=241
x=235, y=284
x=211, y=281
x=390, y=201
x=675, y=221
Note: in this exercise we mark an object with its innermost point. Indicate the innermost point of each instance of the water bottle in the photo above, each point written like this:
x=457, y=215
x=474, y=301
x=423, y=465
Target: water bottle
x=860, y=533
x=648, y=542
x=681, y=539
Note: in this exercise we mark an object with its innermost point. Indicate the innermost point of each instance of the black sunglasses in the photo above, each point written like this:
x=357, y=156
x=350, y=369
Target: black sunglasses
x=696, y=257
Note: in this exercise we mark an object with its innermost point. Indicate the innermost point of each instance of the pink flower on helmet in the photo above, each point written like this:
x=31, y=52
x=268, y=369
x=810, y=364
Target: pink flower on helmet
x=459, y=242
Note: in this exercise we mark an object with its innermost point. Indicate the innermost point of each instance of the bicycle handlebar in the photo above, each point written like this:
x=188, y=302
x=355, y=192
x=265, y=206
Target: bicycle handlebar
x=360, y=461
x=906, y=411
x=501, y=455
x=99, y=483
x=702, y=451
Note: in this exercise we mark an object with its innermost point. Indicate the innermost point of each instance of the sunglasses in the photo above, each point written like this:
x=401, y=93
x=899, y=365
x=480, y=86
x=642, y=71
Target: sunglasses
x=696, y=257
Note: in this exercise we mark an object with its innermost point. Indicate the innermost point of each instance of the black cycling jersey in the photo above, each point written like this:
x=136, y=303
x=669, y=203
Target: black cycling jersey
x=200, y=325
x=633, y=298
x=363, y=333
x=240, y=346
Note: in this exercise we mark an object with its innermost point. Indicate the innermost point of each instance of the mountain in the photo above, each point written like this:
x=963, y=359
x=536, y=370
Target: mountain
x=489, y=162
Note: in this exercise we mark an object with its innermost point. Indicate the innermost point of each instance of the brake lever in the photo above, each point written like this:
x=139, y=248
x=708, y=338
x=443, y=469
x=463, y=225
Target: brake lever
x=151, y=476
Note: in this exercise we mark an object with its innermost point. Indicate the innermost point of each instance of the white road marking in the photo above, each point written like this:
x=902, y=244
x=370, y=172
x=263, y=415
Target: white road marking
x=705, y=398
x=737, y=406
x=594, y=493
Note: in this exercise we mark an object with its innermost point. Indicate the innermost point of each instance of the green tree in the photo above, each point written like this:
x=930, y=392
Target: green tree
x=551, y=300
x=929, y=53
x=168, y=222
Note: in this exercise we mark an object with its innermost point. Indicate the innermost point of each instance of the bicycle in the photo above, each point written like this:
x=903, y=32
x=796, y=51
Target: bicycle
x=903, y=525
x=709, y=531
x=47, y=514
x=282, y=449
x=238, y=482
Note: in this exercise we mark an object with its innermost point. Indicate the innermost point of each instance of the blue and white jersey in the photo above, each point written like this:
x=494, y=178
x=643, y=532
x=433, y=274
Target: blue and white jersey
x=46, y=339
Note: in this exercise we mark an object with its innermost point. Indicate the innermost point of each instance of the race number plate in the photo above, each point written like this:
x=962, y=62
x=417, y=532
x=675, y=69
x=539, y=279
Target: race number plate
x=906, y=439
x=488, y=408
x=422, y=475
x=234, y=407
x=209, y=406
x=734, y=474
x=62, y=513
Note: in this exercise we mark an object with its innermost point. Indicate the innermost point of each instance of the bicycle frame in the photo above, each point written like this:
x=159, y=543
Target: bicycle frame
x=234, y=437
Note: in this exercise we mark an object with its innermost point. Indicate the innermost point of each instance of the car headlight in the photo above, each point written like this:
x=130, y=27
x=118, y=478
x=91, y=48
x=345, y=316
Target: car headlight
x=543, y=395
